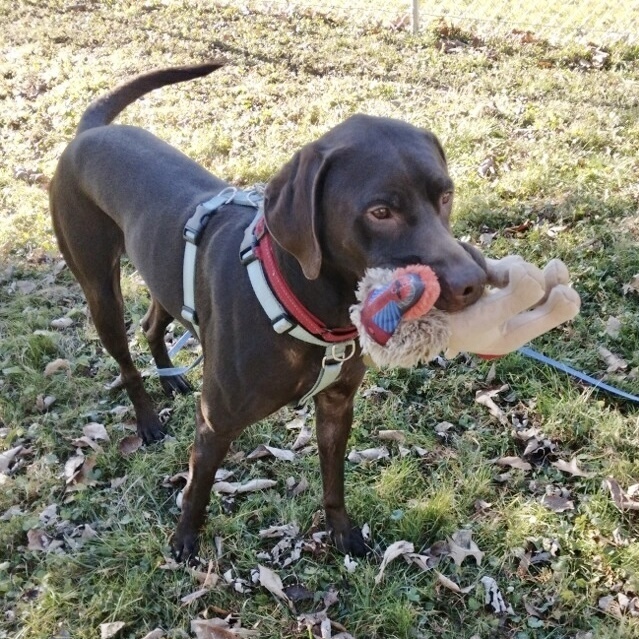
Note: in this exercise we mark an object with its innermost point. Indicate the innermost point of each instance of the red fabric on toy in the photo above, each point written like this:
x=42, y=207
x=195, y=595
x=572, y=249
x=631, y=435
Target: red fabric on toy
x=410, y=294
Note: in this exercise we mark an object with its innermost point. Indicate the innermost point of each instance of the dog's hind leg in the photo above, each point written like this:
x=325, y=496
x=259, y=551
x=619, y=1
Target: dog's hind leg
x=92, y=244
x=154, y=325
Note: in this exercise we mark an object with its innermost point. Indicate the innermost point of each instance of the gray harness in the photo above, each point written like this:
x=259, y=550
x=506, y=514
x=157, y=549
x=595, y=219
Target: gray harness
x=335, y=354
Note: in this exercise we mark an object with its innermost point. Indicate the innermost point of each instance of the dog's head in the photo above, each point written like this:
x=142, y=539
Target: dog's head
x=373, y=192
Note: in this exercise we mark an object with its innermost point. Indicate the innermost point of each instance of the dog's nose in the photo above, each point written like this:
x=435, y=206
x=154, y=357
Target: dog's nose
x=461, y=287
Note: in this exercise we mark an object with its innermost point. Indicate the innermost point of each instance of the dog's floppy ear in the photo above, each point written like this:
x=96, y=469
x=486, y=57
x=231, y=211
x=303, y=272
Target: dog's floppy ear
x=292, y=204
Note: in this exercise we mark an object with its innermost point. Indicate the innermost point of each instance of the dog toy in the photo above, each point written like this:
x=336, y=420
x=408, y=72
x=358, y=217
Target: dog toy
x=411, y=293
x=399, y=326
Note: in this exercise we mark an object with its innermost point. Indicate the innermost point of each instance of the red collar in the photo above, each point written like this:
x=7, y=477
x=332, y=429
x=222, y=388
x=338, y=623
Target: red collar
x=263, y=251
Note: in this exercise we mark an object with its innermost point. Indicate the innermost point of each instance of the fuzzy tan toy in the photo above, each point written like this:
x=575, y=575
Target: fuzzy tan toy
x=399, y=326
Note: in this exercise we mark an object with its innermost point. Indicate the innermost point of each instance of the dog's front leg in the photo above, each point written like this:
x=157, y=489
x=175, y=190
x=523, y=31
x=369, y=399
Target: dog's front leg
x=334, y=418
x=210, y=448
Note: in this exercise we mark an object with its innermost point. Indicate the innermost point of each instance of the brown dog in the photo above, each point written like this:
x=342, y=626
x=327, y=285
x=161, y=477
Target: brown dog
x=371, y=192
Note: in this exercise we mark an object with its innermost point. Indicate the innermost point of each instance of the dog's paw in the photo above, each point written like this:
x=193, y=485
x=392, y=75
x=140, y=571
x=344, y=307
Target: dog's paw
x=176, y=384
x=151, y=430
x=350, y=542
x=184, y=547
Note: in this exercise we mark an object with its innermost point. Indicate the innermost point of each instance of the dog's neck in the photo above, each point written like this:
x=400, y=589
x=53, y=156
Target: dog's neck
x=329, y=297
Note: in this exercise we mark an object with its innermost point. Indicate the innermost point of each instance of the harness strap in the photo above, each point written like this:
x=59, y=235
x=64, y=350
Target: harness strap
x=339, y=344
x=335, y=353
x=192, y=234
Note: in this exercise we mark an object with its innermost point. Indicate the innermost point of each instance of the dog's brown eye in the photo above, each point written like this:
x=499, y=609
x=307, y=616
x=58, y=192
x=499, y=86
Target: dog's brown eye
x=380, y=212
x=446, y=197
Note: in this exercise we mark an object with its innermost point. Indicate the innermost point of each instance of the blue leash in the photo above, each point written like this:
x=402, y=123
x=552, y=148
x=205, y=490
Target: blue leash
x=596, y=383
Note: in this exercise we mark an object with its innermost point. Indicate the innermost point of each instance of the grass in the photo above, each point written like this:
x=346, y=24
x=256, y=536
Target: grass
x=562, y=130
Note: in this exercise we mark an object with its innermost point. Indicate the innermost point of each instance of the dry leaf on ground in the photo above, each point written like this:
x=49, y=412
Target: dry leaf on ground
x=571, y=467
x=219, y=629
x=369, y=454
x=514, y=462
x=7, y=457
x=494, y=598
x=108, y=630
x=269, y=451
x=557, y=503
x=254, y=485
x=632, y=286
x=461, y=545
x=614, y=362
x=270, y=580
x=398, y=549
x=158, y=633
x=96, y=431
x=622, y=500
x=485, y=398
x=129, y=445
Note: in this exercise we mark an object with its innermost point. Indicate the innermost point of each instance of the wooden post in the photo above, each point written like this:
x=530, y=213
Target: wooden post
x=415, y=17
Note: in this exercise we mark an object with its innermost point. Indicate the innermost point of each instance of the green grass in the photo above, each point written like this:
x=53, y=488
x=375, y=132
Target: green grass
x=563, y=136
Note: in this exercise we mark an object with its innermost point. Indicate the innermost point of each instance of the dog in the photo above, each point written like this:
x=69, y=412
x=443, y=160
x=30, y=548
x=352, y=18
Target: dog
x=371, y=192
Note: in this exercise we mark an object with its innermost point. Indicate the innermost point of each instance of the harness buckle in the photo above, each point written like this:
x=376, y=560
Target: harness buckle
x=190, y=315
x=282, y=324
x=247, y=255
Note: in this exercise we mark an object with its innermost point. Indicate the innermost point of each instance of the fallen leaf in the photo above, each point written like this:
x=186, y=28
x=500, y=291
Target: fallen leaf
x=443, y=427
x=461, y=545
x=158, y=633
x=301, y=487
x=487, y=168
x=369, y=454
x=190, y=598
x=56, y=366
x=621, y=499
x=557, y=503
x=108, y=630
x=614, y=362
x=571, y=468
x=7, y=457
x=395, y=550
x=96, y=431
x=485, y=398
x=447, y=583
x=231, y=488
x=514, y=462
x=265, y=451
x=38, y=540
x=129, y=445
x=494, y=598
x=72, y=466
x=304, y=436
x=350, y=564
x=286, y=530
x=632, y=286
x=270, y=580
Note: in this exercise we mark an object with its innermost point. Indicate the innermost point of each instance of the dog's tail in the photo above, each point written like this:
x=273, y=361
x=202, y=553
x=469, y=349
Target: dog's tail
x=105, y=109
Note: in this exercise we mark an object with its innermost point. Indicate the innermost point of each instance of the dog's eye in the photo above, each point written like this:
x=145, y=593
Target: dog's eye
x=446, y=197
x=380, y=212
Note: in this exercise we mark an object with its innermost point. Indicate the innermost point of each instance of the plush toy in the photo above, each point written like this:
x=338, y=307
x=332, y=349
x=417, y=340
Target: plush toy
x=399, y=326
